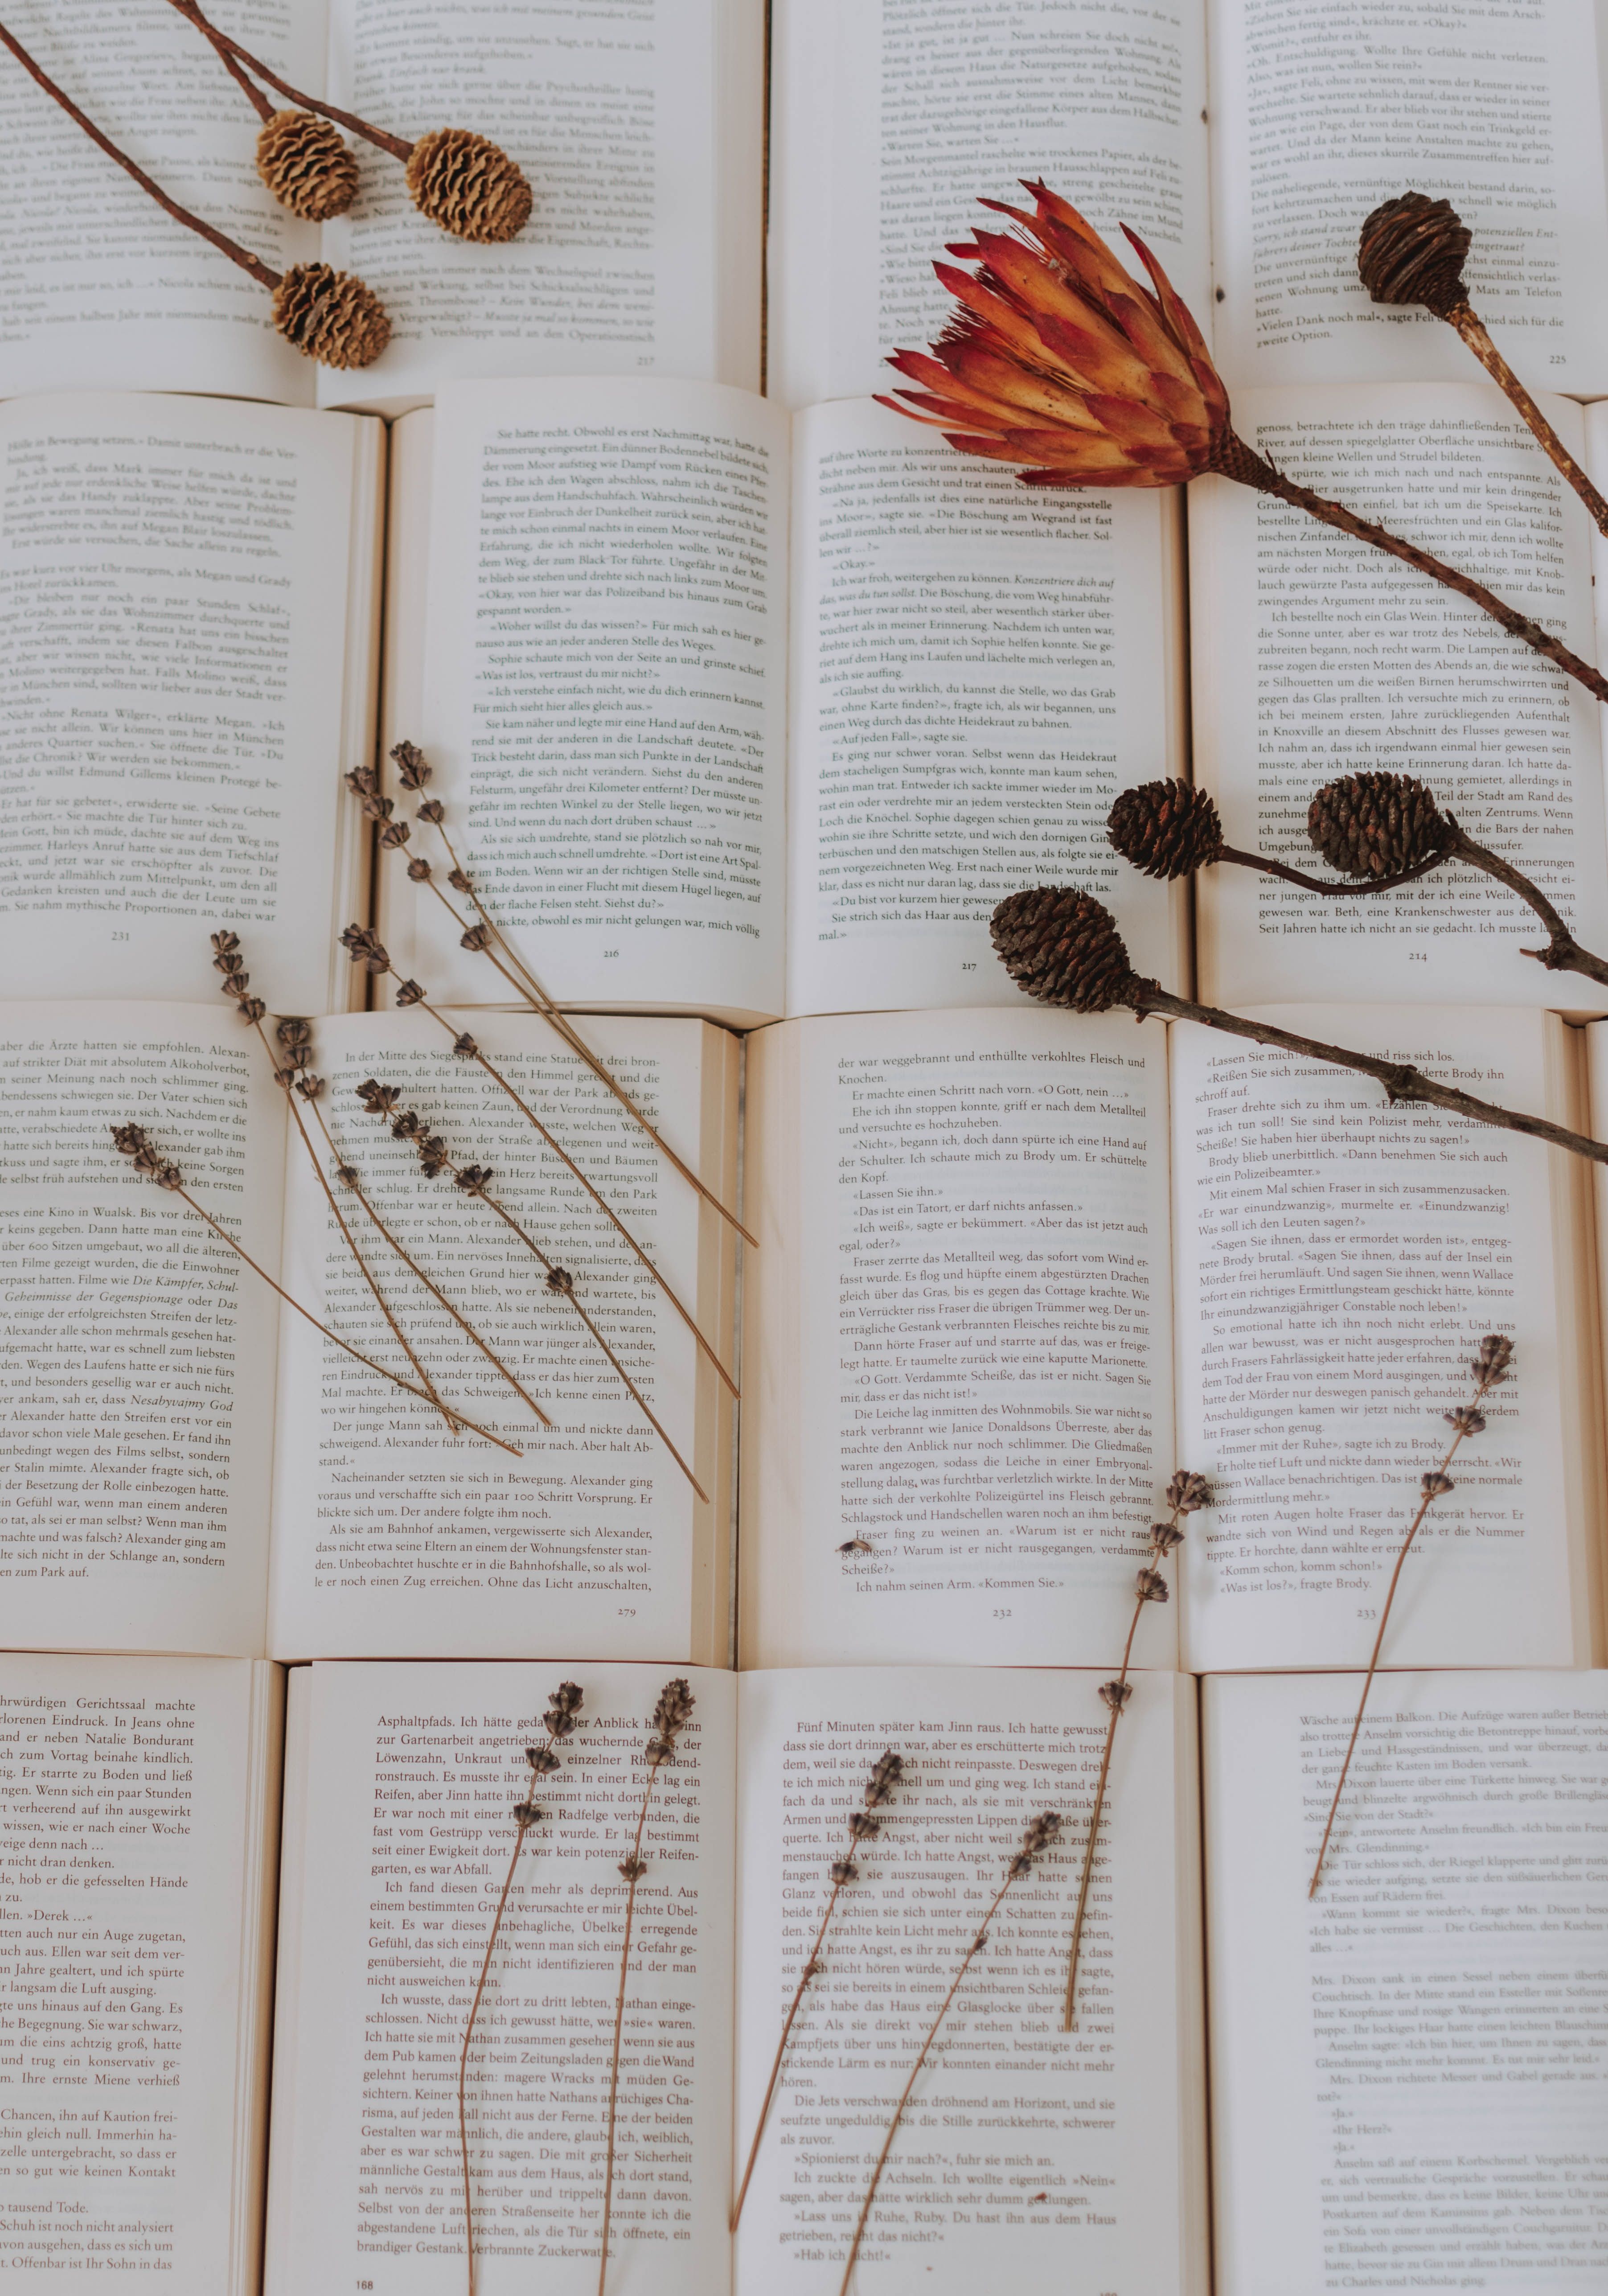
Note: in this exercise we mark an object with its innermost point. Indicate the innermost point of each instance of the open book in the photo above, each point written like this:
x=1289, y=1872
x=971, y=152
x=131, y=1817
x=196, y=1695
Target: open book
x=191, y=1465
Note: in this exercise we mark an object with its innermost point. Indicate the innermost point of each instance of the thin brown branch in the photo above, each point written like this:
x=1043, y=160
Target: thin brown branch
x=258, y=102
x=1325, y=885
x=1236, y=460
x=1471, y=329
x=1491, y=1369
x=232, y=248
x=1562, y=953
x=225, y=43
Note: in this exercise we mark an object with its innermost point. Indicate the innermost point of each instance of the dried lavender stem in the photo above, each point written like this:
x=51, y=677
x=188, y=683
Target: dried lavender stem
x=619, y=2019
x=811, y=1966
x=356, y=1355
x=1425, y=1505
x=1074, y=1954
x=1234, y=459
x=1471, y=329
x=1399, y=1079
x=972, y=1951
x=222, y=41
x=433, y=1289
x=399, y=1335
x=232, y=248
x=530, y=988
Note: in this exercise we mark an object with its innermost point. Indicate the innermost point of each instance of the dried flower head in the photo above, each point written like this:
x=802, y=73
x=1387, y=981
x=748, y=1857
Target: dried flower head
x=670, y=1717
x=887, y=1773
x=1375, y=825
x=856, y=1547
x=1063, y=946
x=434, y=811
x=412, y=770
x=433, y=1158
x=563, y=1707
x=132, y=1140
x=455, y=878
x=1042, y=1834
x=468, y=186
x=1060, y=360
x=465, y=1048
x=1187, y=1493
x=477, y=938
x=306, y=165
x=1434, y=1485
x=419, y=870
x=472, y=1178
x=1168, y=829
x=395, y=834
x=379, y=1099
x=1412, y=250
x=1164, y=1536
x=560, y=1281
x=410, y=992
x=330, y=316
x=1466, y=1419
x=841, y=1871
x=526, y=1813
x=226, y=947
x=1490, y=1366
x=1116, y=1694
x=632, y=1868
x=1151, y=1586
x=365, y=947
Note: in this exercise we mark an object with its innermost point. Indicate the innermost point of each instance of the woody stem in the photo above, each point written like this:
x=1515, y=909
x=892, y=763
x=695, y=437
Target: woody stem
x=223, y=42
x=1471, y=329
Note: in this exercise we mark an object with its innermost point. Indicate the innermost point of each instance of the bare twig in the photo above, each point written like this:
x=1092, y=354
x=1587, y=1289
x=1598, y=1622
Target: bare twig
x=560, y=1719
x=1491, y=1368
x=1041, y=1835
x=670, y=1717
x=862, y=1826
x=1185, y=1494
x=226, y=46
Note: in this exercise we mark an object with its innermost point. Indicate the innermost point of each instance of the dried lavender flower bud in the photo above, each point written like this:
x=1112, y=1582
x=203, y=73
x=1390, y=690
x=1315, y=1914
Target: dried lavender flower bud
x=412, y=770
x=862, y=1826
x=379, y=1099
x=542, y=1760
x=129, y=1139
x=409, y=992
x=1490, y=1365
x=432, y=809
x=1412, y=250
x=1187, y=1493
x=559, y=1279
x=889, y=1773
x=293, y=1031
x=1434, y=1485
x=1042, y=1834
x=1116, y=1694
x=842, y=1870
x=1152, y=1587
x=472, y=1178
x=365, y=947
x=433, y=1158
x=395, y=834
x=223, y=944
x=632, y=1868
x=526, y=1813
x=1063, y=946
x=418, y=869
x=363, y=781
x=856, y=1547
x=168, y=1176
x=1467, y=1420
x=405, y=1125
x=251, y=1010
x=1164, y=1536
x=459, y=881
x=477, y=938
x=464, y=1046
x=347, y=1175
x=1377, y=825
x=670, y=1717
x=563, y=1707
x=1168, y=829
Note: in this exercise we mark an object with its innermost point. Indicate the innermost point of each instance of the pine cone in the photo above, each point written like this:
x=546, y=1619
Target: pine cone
x=306, y=165
x=1377, y=825
x=1063, y=946
x=1413, y=250
x=469, y=185
x=1166, y=828
x=330, y=317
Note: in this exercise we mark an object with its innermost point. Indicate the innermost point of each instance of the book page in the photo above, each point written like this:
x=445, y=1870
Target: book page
x=1028, y=2157
x=392, y=1534
x=1338, y=1262
x=957, y=1339
x=136, y=1363
x=602, y=691
x=98, y=287
x=978, y=670
x=1439, y=2116
x=137, y=1841
x=1494, y=104
x=189, y=595
x=413, y=1774
x=640, y=133
x=891, y=119
x=1316, y=656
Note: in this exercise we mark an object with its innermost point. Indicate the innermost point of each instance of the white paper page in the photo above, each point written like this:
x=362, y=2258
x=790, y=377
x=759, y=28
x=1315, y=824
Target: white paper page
x=957, y=1334
x=1409, y=2071
x=1028, y=2158
x=978, y=670
x=1496, y=107
x=1316, y=656
x=98, y=287
x=391, y=1535
x=605, y=689
x=188, y=594
x=1338, y=1262
x=639, y=131
x=891, y=122
x=413, y=1773
x=136, y=1364
x=135, y=1848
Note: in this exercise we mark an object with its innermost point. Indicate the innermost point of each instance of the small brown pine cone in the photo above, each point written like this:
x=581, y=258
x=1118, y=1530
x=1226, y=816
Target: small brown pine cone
x=1168, y=829
x=330, y=317
x=1062, y=947
x=469, y=185
x=306, y=165
x=1413, y=250
x=1376, y=824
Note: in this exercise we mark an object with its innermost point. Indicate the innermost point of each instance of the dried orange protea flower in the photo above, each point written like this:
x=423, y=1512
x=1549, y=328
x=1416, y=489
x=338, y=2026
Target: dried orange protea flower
x=1059, y=360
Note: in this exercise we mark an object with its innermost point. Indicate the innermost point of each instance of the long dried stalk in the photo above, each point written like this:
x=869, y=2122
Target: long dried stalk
x=227, y=45
x=560, y=1718
x=132, y=1140
x=1184, y=1495
x=1041, y=1835
x=1491, y=1368
x=363, y=948
x=381, y=1100
x=862, y=1827
x=670, y=1717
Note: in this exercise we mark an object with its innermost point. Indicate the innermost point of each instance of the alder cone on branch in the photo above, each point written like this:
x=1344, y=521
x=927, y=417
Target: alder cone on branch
x=307, y=166
x=1413, y=250
x=1168, y=829
x=331, y=317
x=469, y=185
x=1063, y=946
x=1377, y=825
